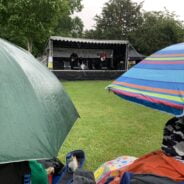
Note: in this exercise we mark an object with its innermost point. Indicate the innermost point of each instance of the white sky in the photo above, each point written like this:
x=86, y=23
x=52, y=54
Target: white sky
x=93, y=7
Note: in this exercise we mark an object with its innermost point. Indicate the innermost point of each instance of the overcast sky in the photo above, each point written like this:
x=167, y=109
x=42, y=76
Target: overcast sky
x=93, y=7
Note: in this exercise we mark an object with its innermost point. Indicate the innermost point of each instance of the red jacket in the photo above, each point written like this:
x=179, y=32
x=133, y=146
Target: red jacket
x=156, y=163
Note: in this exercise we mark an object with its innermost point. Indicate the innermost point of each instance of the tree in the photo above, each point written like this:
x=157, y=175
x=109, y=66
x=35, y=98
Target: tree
x=75, y=6
x=158, y=30
x=77, y=27
x=146, y=31
x=69, y=26
x=118, y=18
x=29, y=23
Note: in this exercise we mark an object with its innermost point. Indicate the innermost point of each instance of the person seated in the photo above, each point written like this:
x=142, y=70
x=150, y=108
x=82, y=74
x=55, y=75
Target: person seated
x=166, y=162
x=15, y=173
x=83, y=66
x=73, y=60
x=38, y=173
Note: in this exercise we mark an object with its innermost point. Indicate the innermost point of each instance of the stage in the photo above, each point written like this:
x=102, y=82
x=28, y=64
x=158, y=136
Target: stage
x=87, y=74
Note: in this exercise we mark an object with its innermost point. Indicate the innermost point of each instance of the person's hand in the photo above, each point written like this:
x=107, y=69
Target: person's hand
x=50, y=170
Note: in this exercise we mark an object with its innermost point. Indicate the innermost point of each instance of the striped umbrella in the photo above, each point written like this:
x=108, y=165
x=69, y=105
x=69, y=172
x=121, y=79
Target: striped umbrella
x=156, y=82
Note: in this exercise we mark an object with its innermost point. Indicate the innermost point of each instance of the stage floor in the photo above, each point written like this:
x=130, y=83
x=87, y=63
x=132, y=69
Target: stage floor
x=87, y=74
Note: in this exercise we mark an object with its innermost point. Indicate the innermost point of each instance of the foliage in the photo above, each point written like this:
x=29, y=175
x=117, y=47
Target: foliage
x=118, y=18
x=109, y=126
x=158, y=30
x=30, y=23
x=75, y=5
x=77, y=27
x=69, y=26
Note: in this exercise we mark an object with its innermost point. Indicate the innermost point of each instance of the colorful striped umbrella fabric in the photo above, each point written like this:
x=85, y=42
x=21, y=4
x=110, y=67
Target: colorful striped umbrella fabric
x=156, y=82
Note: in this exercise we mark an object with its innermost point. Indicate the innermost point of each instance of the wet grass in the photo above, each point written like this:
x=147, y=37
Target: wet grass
x=110, y=126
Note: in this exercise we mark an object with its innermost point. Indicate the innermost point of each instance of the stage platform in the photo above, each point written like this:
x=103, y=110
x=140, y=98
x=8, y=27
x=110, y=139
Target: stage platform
x=87, y=74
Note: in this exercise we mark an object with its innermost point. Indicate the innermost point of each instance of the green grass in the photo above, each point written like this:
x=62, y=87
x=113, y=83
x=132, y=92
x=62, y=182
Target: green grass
x=110, y=126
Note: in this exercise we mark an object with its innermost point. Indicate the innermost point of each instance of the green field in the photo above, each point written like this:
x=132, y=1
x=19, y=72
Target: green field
x=110, y=126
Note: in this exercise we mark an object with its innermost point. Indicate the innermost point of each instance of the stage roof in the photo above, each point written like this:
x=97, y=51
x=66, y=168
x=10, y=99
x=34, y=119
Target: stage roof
x=93, y=41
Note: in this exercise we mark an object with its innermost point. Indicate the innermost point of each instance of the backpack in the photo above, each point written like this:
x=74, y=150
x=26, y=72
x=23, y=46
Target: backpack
x=74, y=160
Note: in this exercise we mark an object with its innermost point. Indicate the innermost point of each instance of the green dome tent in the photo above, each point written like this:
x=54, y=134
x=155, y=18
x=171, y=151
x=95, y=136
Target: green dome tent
x=35, y=112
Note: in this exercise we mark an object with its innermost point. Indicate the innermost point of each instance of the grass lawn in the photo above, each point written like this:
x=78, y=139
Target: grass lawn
x=110, y=126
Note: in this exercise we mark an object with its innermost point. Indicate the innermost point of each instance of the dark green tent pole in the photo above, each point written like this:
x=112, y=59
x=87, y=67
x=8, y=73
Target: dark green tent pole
x=126, y=56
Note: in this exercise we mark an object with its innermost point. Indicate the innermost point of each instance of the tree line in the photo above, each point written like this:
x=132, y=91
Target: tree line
x=29, y=23
x=146, y=31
